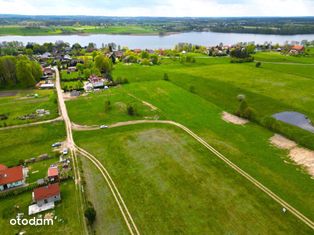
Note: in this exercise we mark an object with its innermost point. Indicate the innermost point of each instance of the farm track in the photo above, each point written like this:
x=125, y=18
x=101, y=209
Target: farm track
x=32, y=124
x=74, y=149
x=266, y=190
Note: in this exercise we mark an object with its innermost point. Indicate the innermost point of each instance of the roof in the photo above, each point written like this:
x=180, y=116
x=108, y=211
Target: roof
x=11, y=175
x=45, y=192
x=2, y=167
x=53, y=171
x=297, y=48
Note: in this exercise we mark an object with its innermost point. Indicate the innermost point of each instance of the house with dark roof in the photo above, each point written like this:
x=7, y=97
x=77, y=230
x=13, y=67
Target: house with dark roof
x=11, y=177
x=46, y=194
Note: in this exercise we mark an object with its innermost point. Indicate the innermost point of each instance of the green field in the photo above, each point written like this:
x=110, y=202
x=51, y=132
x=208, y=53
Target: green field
x=171, y=184
x=17, y=103
x=90, y=110
x=28, y=142
x=278, y=57
x=69, y=76
x=58, y=30
x=66, y=211
x=247, y=146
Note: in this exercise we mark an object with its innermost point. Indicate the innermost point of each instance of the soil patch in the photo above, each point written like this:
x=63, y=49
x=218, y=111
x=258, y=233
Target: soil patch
x=230, y=118
x=282, y=142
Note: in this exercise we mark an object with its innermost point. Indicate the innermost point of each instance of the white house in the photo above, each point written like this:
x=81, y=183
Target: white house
x=46, y=194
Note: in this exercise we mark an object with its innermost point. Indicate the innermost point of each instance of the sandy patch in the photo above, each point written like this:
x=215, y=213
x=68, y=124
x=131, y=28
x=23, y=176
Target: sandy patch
x=230, y=118
x=281, y=142
x=301, y=156
x=304, y=157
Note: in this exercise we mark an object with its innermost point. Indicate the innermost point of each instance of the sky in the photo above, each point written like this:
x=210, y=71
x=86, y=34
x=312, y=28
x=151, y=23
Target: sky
x=172, y=8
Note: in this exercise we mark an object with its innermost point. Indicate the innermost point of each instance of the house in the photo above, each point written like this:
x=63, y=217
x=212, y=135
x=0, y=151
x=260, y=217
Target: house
x=45, y=56
x=46, y=194
x=11, y=177
x=297, y=49
x=71, y=69
x=47, y=86
x=47, y=71
x=53, y=174
x=96, y=81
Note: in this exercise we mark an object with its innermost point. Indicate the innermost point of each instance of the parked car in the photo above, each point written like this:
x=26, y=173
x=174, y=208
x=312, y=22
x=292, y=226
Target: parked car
x=65, y=151
x=103, y=127
x=58, y=144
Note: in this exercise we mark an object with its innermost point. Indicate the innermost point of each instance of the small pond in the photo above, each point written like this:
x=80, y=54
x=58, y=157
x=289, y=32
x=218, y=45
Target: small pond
x=295, y=119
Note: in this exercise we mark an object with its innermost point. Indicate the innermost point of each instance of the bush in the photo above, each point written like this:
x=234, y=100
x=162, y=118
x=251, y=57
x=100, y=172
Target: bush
x=166, y=77
x=131, y=110
x=258, y=64
x=90, y=214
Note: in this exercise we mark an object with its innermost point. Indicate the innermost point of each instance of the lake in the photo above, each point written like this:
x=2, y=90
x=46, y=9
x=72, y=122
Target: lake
x=295, y=119
x=166, y=42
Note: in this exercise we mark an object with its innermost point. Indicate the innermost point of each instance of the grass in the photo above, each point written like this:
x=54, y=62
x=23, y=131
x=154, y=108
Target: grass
x=247, y=146
x=171, y=184
x=278, y=57
x=28, y=142
x=65, y=210
x=109, y=220
x=58, y=30
x=73, y=85
x=95, y=104
x=39, y=170
x=20, y=104
x=69, y=76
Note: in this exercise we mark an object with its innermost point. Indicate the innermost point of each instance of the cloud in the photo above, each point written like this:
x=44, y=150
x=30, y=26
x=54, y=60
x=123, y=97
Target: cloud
x=209, y=8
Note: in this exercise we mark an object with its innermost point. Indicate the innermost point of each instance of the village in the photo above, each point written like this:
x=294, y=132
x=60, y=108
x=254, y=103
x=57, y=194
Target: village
x=40, y=176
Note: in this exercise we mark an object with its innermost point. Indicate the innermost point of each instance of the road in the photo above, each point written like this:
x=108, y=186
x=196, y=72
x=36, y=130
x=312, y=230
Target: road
x=266, y=190
x=75, y=149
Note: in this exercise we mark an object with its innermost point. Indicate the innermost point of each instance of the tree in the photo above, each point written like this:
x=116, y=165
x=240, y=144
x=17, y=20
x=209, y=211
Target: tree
x=90, y=214
x=154, y=59
x=103, y=64
x=24, y=73
x=145, y=55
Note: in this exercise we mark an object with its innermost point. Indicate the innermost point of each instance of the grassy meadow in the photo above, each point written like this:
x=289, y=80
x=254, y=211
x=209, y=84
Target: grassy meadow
x=28, y=142
x=91, y=110
x=183, y=188
x=246, y=146
x=58, y=30
x=17, y=103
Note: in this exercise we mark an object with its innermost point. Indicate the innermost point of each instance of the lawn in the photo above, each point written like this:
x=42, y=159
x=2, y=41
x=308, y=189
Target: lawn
x=73, y=85
x=66, y=211
x=247, y=146
x=278, y=57
x=22, y=102
x=39, y=170
x=69, y=76
x=171, y=184
x=90, y=110
x=28, y=142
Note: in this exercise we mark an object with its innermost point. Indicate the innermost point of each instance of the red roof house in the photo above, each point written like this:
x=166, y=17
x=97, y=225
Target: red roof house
x=47, y=194
x=11, y=177
x=53, y=173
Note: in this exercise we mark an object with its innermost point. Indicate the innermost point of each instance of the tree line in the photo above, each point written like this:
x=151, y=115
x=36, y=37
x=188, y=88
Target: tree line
x=19, y=71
